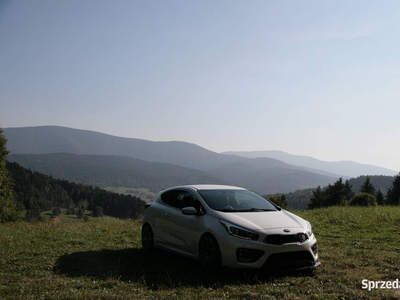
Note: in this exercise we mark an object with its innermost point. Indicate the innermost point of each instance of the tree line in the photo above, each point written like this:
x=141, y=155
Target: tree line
x=36, y=192
x=341, y=194
x=21, y=189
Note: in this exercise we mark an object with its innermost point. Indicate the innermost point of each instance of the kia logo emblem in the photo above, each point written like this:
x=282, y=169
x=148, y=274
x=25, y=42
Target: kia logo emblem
x=286, y=230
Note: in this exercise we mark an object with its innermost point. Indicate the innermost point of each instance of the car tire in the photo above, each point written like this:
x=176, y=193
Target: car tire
x=209, y=253
x=147, y=238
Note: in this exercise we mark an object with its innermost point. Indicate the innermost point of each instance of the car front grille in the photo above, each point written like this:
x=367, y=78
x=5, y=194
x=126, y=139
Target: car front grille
x=281, y=239
x=297, y=259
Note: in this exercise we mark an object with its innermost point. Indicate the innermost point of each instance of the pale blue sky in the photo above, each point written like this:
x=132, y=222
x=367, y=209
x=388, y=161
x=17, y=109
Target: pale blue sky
x=316, y=78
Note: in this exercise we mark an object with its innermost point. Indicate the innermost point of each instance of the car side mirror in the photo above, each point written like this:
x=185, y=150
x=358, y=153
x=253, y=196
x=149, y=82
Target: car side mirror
x=189, y=211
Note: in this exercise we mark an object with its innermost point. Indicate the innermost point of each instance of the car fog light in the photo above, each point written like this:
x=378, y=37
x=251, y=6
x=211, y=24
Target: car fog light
x=314, y=249
x=245, y=255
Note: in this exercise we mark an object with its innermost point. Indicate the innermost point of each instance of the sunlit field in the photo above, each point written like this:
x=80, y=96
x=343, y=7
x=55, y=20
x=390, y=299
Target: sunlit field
x=102, y=259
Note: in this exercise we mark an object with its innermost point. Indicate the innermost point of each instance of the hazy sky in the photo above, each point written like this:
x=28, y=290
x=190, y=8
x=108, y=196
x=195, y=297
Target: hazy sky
x=317, y=78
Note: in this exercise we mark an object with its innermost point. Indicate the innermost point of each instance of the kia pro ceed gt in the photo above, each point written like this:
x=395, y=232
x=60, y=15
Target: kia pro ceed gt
x=230, y=227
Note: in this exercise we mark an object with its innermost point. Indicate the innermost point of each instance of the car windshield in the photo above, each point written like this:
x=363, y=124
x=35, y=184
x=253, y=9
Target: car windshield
x=236, y=201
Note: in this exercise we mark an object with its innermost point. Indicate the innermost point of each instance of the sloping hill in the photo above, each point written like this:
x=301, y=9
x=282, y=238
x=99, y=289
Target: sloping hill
x=271, y=180
x=345, y=168
x=382, y=183
x=54, y=139
x=107, y=170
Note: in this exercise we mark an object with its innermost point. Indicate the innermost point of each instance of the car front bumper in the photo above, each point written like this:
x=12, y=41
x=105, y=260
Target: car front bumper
x=240, y=253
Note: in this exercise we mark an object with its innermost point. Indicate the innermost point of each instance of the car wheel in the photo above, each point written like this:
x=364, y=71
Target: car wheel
x=209, y=253
x=147, y=238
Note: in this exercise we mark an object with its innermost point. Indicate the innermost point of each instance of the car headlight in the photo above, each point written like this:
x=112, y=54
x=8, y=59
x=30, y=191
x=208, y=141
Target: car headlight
x=239, y=232
x=309, y=229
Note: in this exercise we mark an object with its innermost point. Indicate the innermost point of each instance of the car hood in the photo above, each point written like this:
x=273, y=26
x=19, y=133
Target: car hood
x=264, y=220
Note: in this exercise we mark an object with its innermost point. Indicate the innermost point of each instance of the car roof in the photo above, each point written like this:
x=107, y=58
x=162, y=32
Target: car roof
x=209, y=187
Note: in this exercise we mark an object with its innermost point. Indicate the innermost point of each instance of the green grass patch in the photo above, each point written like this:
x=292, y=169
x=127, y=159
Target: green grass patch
x=102, y=259
x=142, y=193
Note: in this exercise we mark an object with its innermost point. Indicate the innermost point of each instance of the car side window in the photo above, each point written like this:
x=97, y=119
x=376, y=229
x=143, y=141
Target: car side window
x=188, y=200
x=184, y=199
x=168, y=197
x=180, y=199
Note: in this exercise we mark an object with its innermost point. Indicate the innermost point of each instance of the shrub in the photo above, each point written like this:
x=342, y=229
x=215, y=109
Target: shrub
x=98, y=212
x=56, y=211
x=363, y=199
x=80, y=213
x=279, y=200
x=33, y=215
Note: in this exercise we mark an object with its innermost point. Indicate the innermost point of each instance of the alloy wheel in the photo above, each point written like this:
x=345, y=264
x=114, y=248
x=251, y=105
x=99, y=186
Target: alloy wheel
x=147, y=238
x=209, y=254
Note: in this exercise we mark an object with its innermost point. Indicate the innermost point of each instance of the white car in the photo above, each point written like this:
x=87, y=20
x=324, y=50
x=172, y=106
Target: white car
x=228, y=226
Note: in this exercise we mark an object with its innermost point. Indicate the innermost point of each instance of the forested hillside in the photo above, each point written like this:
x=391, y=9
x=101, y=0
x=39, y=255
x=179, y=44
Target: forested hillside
x=270, y=180
x=112, y=171
x=382, y=183
x=38, y=192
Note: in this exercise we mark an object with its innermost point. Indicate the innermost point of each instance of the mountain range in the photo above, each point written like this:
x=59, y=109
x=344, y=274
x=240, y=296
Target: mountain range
x=110, y=161
x=345, y=168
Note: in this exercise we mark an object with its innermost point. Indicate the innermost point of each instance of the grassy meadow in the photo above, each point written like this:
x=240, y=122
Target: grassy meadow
x=142, y=193
x=102, y=259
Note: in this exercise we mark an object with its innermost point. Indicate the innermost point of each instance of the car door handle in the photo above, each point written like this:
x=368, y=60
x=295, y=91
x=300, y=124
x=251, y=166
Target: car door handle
x=167, y=214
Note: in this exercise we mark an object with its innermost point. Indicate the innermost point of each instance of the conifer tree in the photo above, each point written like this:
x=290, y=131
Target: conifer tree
x=317, y=199
x=339, y=193
x=380, y=198
x=8, y=205
x=367, y=187
x=393, y=194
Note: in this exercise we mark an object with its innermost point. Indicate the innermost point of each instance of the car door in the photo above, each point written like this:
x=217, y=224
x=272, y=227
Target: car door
x=182, y=231
x=161, y=213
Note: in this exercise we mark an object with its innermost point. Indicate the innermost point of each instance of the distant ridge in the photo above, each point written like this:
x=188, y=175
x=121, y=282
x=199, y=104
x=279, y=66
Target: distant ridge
x=345, y=168
x=55, y=139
